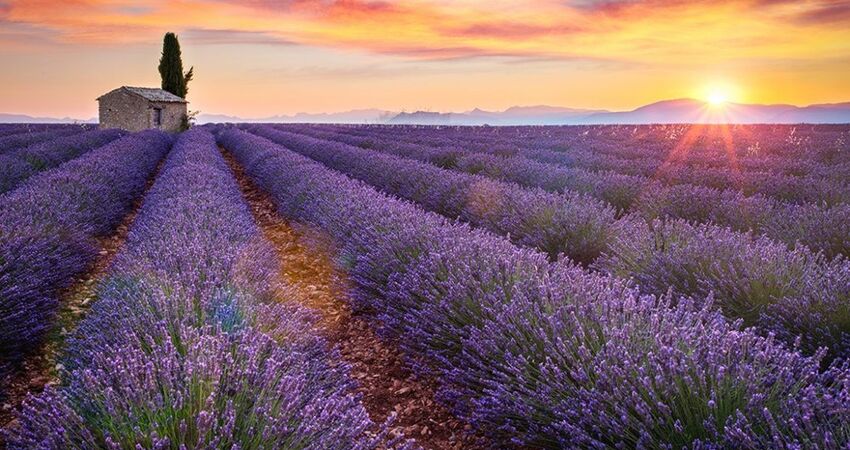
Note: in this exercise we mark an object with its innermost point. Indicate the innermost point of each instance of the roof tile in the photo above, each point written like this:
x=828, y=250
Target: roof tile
x=154, y=94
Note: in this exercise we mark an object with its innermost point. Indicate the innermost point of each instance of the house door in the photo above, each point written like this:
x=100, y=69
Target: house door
x=157, y=117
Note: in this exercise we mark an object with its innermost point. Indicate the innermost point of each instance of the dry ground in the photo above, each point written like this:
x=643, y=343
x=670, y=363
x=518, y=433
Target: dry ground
x=42, y=368
x=384, y=381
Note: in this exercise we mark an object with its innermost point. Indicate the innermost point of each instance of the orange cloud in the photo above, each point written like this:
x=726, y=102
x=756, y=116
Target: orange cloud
x=628, y=30
x=596, y=53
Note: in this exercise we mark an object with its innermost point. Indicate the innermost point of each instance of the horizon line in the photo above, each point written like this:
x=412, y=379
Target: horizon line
x=590, y=110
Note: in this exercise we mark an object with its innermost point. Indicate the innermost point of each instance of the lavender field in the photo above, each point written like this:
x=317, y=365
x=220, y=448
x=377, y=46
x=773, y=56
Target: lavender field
x=254, y=286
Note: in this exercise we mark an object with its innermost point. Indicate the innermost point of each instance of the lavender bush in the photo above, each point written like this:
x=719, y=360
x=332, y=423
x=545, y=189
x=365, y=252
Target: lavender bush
x=817, y=227
x=823, y=230
x=8, y=129
x=187, y=345
x=573, y=224
x=553, y=356
x=744, y=272
x=35, y=135
x=18, y=165
x=747, y=274
x=682, y=154
x=820, y=316
x=47, y=229
x=813, y=155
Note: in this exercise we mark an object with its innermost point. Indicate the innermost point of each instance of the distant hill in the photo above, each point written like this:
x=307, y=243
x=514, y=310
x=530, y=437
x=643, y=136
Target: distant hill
x=354, y=116
x=695, y=111
x=517, y=115
x=23, y=118
x=667, y=111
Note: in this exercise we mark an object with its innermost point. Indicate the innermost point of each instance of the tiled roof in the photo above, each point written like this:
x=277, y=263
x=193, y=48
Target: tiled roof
x=152, y=94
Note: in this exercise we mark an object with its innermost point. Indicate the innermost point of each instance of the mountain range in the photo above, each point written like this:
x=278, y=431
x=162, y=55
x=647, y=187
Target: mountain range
x=517, y=115
x=667, y=111
x=353, y=116
x=695, y=111
x=23, y=118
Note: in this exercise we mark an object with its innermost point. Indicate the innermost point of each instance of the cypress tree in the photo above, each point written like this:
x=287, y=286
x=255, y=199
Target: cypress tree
x=171, y=67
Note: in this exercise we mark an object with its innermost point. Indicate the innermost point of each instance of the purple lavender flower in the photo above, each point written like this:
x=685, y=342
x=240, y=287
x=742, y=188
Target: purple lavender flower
x=573, y=224
x=18, y=165
x=188, y=344
x=551, y=355
x=47, y=227
x=34, y=134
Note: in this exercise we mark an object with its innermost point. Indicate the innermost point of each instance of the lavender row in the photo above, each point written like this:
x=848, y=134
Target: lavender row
x=794, y=294
x=555, y=223
x=798, y=189
x=188, y=344
x=8, y=129
x=820, y=228
x=752, y=278
x=822, y=182
x=47, y=230
x=551, y=356
x=18, y=165
x=785, y=149
x=798, y=295
x=11, y=129
x=819, y=181
x=622, y=171
x=20, y=140
x=620, y=191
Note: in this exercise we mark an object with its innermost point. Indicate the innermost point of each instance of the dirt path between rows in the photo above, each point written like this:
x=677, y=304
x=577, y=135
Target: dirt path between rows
x=42, y=368
x=384, y=381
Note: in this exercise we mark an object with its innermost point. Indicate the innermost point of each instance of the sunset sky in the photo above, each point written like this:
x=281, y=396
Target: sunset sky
x=257, y=58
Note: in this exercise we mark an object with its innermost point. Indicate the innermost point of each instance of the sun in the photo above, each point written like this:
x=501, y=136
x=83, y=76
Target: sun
x=717, y=97
x=718, y=94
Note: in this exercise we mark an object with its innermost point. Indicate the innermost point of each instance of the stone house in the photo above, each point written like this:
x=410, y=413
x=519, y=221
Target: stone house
x=137, y=108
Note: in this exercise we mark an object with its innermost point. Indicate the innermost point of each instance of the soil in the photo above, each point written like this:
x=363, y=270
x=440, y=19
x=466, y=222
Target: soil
x=384, y=381
x=42, y=368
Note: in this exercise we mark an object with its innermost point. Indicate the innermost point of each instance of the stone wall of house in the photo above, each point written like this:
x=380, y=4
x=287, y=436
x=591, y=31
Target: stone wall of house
x=172, y=115
x=127, y=111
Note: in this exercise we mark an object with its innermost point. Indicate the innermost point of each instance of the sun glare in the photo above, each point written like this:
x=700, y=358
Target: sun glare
x=718, y=94
x=718, y=97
